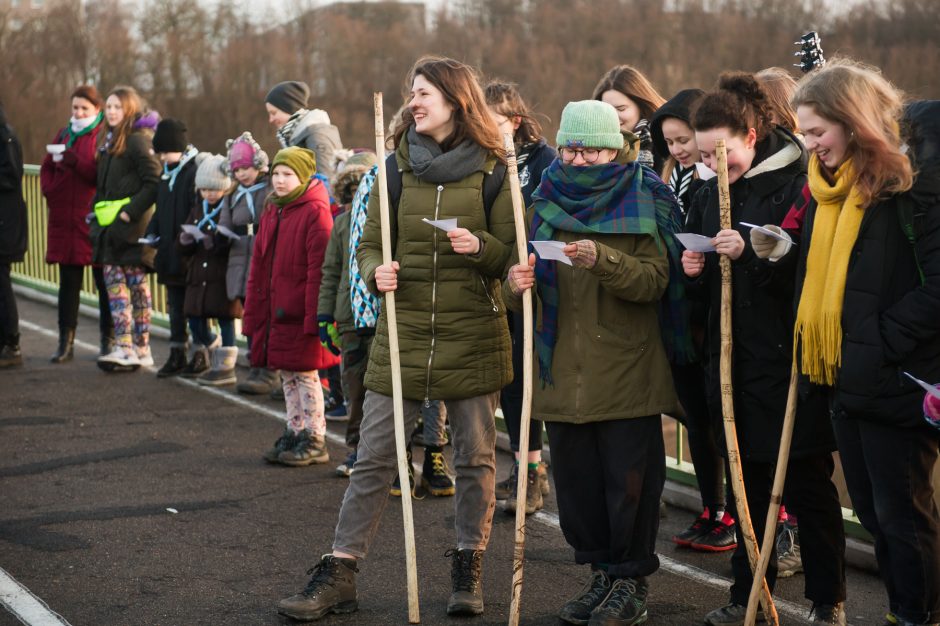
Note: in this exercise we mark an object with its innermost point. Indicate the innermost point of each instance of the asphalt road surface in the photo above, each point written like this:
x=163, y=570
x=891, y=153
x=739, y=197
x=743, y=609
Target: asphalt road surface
x=125, y=499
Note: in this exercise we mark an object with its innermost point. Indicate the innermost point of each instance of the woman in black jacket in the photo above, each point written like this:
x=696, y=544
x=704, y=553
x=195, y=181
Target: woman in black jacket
x=12, y=239
x=869, y=312
x=766, y=173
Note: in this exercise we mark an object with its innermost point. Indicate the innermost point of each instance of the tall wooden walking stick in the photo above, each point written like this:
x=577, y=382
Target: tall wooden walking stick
x=381, y=184
x=776, y=497
x=727, y=392
x=518, y=210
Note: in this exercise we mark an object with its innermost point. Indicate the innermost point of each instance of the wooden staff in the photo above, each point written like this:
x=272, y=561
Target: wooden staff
x=381, y=186
x=776, y=497
x=518, y=210
x=727, y=391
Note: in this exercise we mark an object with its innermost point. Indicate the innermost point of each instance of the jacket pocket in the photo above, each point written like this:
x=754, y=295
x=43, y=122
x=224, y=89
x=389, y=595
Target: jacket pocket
x=623, y=323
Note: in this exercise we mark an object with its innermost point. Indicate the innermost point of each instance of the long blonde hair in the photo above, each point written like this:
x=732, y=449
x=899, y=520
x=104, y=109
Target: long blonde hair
x=779, y=86
x=869, y=107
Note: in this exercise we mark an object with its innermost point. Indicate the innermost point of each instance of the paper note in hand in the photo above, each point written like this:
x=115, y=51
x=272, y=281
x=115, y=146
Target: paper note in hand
x=695, y=243
x=551, y=251
x=149, y=240
x=765, y=231
x=228, y=233
x=926, y=386
x=445, y=225
x=197, y=234
x=704, y=172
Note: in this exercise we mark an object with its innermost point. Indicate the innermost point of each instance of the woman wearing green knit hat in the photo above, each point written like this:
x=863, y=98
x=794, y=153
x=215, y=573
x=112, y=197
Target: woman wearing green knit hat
x=602, y=364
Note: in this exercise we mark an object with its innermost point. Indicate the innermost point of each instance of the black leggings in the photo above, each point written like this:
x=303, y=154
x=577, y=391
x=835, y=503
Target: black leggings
x=9, y=316
x=510, y=397
x=70, y=287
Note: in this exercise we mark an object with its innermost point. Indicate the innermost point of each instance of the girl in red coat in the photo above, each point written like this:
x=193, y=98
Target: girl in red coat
x=67, y=178
x=281, y=302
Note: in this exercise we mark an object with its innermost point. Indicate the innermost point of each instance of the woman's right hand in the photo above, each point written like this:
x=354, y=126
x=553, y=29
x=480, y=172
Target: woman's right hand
x=522, y=277
x=386, y=277
x=693, y=263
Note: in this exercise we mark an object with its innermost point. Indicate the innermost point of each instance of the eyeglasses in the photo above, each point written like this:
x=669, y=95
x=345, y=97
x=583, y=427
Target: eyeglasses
x=589, y=155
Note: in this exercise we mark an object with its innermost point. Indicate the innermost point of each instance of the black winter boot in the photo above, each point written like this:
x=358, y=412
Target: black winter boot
x=10, y=355
x=175, y=364
x=434, y=476
x=198, y=364
x=578, y=609
x=465, y=574
x=65, y=350
x=332, y=589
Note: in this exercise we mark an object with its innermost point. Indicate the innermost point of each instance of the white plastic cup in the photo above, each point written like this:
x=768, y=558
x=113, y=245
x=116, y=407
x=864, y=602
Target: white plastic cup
x=56, y=150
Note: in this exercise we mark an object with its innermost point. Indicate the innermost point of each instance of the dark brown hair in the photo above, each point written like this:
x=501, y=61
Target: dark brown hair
x=739, y=104
x=132, y=105
x=779, y=87
x=88, y=92
x=460, y=85
x=507, y=101
x=633, y=84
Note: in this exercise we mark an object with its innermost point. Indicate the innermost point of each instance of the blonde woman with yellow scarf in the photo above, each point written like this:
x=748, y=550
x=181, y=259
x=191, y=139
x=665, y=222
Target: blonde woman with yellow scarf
x=869, y=311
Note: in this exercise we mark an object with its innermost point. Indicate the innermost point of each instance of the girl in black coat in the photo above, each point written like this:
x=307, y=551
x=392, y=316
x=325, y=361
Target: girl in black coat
x=868, y=303
x=766, y=173
x=12, y=239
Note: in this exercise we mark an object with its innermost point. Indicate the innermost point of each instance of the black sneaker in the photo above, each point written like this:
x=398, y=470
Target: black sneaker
x=434, y=476
x=396, y=484
x=465, y=574
x=699, y=526
x=719, y=538
x=307, y=450
x=789, y=559
x=285, y=442
x=533, y=495
x=828, y=614
x=506, y=487
x=625, y=605
x=332, y=589
x=345, y=468
x=578, y=609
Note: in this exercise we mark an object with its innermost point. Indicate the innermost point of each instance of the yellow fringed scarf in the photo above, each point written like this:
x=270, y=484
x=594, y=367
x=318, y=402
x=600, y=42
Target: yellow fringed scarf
x=835, y=229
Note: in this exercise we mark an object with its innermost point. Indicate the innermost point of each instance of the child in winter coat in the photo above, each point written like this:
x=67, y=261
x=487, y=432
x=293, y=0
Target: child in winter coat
x=281, y=302
x=176, y=196
x=241, y=212
x=206, y=296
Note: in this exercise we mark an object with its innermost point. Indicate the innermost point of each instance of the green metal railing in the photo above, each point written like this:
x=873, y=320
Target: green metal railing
x=35, y=273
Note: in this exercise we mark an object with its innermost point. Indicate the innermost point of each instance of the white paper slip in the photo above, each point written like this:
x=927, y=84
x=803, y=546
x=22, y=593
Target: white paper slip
x=445, y=225
x=704, y=172
x=926, y=386
x=551, y=251
x=765, y=231
x=695, y=243
x=149, y=241
x=228, y=232
x=197, y=234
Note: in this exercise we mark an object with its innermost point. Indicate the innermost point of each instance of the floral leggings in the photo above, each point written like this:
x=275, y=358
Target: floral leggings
x=303, y=395
x=129, y=291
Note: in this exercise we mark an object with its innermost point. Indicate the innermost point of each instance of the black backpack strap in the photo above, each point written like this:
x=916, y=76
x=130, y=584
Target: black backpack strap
x=492, y=183
x=393, y=181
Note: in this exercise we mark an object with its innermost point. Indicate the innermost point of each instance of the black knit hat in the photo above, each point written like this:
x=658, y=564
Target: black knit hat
x=170, y=136
x=289, y=96
x=679, y=106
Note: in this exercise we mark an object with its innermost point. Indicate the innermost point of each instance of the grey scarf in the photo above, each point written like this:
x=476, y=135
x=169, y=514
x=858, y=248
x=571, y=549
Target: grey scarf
x=433, y=165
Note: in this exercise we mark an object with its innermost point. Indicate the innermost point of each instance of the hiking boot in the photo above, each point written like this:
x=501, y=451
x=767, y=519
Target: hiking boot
x=731, y=615
x=507, y=487
x=277, y=392
x=789, y=561
x=465, y=572
x=701, y=525
x=719, y=536
x=346, y=467
x=65, y=351
x=198, y=364
x=119, y=360
x=625, y=605
x=307, y=450
x=10, y=354
x=434, y=476
x=332, y=589
x=833, y=614
x=222, y=371
x=174, y=364
x=533, y=495
x=544, y=485
x=578, y=609
x=259, y=382
x=145, y=356
x=285, y=442
x=395, y=489
x=106, y=343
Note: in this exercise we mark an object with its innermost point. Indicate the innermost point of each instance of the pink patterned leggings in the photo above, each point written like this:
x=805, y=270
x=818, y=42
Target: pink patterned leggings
x=303, y=395
x=129, y=297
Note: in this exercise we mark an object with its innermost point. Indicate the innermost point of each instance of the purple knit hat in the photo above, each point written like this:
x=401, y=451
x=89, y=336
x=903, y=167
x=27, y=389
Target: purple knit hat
x=244, y=151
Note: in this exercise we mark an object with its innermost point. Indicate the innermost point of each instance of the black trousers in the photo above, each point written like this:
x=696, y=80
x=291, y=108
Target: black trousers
x=175, y=297
x=70, y=287
x=510, y=398
x=813, y=498
x=609, y=477
x=9, y=315
x=888, y=471
x=709, y=465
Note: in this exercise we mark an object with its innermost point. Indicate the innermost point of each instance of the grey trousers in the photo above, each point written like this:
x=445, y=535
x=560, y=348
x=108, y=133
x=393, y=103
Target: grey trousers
x=474, y=439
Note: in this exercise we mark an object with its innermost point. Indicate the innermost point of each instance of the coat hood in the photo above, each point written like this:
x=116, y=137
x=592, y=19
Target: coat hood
x=778, y=156
x=679, y=106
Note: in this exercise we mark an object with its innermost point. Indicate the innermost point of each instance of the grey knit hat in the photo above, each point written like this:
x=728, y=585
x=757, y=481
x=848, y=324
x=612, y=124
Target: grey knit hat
x=289, y=96
x=209, y=173
x=589, y=124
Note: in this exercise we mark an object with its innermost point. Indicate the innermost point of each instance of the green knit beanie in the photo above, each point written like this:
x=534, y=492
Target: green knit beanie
x=301, y=160
x=589, y=124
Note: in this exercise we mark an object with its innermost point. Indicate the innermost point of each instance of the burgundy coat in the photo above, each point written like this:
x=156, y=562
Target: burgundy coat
x=69, y=186
x=284, y=284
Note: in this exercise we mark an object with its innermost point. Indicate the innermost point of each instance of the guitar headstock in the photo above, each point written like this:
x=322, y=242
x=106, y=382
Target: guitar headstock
x=811, y=52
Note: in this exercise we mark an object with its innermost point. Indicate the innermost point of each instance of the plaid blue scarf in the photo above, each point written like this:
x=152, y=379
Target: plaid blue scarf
x=608, y=199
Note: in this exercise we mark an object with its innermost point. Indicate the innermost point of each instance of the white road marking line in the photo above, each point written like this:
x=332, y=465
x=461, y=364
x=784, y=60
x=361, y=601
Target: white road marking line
x=25, y=606
x=549, y=519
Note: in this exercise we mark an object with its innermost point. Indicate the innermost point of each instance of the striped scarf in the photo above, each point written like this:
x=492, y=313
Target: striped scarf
x=608, y=199
x=365, y=306
x=642, y=132
x=679, y=179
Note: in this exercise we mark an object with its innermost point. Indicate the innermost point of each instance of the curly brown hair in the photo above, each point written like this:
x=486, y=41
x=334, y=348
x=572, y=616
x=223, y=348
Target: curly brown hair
x=739, y=104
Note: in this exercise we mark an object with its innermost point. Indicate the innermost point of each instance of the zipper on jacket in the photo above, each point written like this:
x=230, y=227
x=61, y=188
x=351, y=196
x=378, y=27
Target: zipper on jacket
x=267, y=332
x=427, y=385
x=487, y=292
